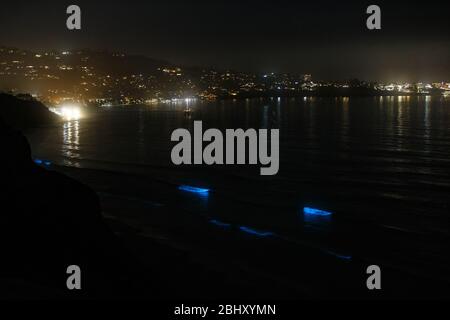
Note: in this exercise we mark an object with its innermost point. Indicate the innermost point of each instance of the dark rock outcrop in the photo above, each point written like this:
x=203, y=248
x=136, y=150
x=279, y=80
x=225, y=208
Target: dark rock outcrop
x=23, y=112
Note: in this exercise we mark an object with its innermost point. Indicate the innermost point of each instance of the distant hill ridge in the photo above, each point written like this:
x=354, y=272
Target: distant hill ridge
x=124, y=64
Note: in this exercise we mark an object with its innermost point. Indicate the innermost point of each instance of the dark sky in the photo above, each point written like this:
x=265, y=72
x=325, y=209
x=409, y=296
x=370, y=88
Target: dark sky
x=326, y=38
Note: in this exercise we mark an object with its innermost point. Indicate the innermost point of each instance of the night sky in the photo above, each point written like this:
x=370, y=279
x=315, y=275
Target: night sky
x=326, y=38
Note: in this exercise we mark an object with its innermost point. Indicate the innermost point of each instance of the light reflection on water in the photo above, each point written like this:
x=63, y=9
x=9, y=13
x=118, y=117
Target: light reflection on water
x=71, y=142
x=345, y=133
x=427, y=124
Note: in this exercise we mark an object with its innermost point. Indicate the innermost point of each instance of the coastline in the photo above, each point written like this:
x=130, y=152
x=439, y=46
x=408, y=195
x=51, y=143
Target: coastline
x=283, y=95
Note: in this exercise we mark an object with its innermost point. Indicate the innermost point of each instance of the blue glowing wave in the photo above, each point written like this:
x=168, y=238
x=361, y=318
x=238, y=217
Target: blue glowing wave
x=42, y=162
x=256, y=232
x=186, y=188
x=220, y=223
x=316, y=212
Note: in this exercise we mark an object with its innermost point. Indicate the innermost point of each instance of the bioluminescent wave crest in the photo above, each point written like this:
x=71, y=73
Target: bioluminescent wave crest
x=219, y=223
x=42, y=162
x=316, y=212
x=256, y=232
x=202, y=191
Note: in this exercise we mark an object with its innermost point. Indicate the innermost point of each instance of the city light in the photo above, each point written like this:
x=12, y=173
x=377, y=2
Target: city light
x=175, y=85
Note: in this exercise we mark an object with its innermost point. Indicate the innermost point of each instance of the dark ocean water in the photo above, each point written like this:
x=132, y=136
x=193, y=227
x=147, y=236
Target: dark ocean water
x=377, y=162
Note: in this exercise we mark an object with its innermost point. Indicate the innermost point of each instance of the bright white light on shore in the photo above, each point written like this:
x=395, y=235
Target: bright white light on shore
x=71, y=113
x=68, y=112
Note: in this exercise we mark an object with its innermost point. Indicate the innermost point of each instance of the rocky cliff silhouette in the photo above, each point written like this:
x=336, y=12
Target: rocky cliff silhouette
x=22, y=112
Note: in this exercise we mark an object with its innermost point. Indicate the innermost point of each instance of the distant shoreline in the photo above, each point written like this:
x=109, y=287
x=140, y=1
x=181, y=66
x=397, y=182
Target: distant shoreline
x=269, y=97
x=333, y=95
